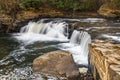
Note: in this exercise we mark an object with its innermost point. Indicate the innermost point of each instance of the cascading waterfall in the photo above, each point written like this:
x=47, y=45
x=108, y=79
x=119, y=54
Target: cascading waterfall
x=80, y=39
x=40, y=31
x=40, y=37
x=49, y=34
x=78, y=42
x=51, y=29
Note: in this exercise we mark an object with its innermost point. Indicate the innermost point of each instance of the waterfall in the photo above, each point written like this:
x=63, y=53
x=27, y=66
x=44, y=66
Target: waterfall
x=82, y=39
x=51, y=29
x=77, y=45
x=80, y=52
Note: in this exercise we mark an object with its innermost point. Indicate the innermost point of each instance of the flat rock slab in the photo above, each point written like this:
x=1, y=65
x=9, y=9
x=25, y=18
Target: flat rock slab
x=57, y=63
x=105, y=57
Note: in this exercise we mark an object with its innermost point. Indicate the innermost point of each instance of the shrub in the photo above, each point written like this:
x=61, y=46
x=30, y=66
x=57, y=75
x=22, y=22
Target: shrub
x=75, y=4
x=27, y=4
x=71, y=5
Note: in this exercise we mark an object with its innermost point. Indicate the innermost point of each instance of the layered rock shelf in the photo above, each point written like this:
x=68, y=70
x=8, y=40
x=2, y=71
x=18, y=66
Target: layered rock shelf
x=105, y=60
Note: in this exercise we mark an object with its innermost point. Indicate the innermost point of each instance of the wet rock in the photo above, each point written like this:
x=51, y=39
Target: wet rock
x=106, y=11
x=83, y=70
x=105, y=59
x=58, y=63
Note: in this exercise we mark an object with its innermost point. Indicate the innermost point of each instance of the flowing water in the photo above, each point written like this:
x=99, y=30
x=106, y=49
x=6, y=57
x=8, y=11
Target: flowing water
x=18, y=50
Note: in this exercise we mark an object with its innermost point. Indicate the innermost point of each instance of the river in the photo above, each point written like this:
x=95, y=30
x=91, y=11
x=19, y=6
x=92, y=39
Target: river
x=18, y=50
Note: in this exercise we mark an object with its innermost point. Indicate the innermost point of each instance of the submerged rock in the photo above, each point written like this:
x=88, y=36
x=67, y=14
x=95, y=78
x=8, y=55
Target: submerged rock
x=57, y=63
x=105, y=59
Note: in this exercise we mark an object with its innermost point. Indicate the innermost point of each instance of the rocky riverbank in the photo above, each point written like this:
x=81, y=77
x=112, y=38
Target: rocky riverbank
x=105, y=60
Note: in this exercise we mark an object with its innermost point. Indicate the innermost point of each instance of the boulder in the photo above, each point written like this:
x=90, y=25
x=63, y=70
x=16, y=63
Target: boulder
x=105, y=60
x=107, y=11
x=57, y=63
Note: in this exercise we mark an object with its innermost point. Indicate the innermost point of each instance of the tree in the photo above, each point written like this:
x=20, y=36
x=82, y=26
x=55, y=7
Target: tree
x=10, y=7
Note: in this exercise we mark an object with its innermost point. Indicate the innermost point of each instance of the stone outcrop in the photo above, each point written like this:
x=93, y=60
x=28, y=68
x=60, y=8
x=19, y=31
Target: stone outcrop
x=57, y=63
x=106, y=11
x=105, y=58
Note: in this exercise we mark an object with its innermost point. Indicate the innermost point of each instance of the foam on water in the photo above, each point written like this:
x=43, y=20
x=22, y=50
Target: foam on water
x=30, y=38
x=116, y=38
x=78, y=57
x=92, y=20
x=76, y=51
x=78, y=46
x=22, y=74
x=90, y=28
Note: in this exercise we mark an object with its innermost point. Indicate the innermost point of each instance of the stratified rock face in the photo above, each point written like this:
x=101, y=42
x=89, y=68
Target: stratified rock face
x=105, y=57
x=106, y=11
x=57, y=63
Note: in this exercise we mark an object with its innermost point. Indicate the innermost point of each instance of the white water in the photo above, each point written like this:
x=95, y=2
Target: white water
x=39, y=31
x=51, y=29
x=93, y=20
x=90, y=28
x=21, y=74
x=30, y=38
x=78, y=46
x=116, y=38
x=57, y=31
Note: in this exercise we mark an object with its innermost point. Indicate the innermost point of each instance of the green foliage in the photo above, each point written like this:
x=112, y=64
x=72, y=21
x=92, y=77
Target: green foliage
x=27, y=4
x=74, y=4
x=64, y=4
x=88, y=5
x=71, y=5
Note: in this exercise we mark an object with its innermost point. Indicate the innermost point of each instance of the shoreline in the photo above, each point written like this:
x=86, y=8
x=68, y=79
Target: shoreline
x=24, y=17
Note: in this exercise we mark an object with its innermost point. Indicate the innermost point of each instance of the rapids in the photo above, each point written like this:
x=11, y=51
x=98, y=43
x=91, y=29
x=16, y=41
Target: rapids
x=18, y=50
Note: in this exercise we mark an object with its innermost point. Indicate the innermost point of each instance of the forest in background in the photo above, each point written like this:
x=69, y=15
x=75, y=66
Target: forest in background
x=10, y=10
x=67, y=5
x=71, y=5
